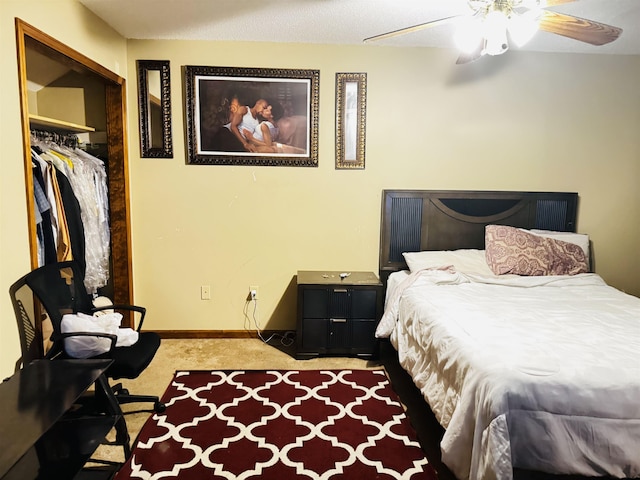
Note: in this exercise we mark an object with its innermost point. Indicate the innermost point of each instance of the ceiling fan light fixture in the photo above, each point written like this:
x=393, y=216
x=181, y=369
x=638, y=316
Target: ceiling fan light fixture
x=522, y=27
x=495, y=32
x=469, y=33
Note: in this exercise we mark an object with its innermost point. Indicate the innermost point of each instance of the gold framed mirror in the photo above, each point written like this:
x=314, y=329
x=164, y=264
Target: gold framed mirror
x=154, y=108
x=351, y=107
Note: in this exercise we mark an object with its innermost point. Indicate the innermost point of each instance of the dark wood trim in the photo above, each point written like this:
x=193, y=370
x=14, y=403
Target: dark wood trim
x=216, y=333
x=121, y=262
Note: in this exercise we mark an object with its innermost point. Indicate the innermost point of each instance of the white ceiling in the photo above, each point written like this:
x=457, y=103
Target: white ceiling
x=341, y=21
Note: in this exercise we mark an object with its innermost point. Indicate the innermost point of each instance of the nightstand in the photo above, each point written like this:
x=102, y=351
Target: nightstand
x=338, y=316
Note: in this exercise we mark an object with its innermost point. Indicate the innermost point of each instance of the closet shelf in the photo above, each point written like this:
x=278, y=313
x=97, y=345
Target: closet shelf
x=38, y=121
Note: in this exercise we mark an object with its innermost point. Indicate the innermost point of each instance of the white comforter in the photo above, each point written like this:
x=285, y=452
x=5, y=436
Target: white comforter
x=541, y=373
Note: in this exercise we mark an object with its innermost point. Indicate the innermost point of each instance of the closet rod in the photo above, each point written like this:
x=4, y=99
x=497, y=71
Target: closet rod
x=68, y=139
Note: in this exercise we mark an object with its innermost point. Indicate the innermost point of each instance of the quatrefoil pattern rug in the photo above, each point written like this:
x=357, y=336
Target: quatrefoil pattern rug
x=279, y=425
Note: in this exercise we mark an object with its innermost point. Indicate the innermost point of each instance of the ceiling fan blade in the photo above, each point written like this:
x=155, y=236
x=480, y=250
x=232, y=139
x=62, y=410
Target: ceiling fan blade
x=465, y=57
x=412, y=29
x=577, y=28
x=553, y=3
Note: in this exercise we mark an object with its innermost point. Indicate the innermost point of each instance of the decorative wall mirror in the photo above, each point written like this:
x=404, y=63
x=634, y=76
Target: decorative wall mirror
x=154, y=104
x=351, y=108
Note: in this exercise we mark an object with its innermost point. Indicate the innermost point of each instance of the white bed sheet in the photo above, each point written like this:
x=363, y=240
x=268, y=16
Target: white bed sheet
x=540, y=373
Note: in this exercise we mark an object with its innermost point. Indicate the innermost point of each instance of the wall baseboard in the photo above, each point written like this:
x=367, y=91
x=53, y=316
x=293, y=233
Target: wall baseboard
x=216, y=333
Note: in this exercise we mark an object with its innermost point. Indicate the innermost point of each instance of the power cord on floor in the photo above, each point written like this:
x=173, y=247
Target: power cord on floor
x=286, y=339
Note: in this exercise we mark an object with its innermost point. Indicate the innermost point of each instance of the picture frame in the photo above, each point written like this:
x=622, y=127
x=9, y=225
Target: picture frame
x=220, y=98
x=154, y=108
x=351, y=111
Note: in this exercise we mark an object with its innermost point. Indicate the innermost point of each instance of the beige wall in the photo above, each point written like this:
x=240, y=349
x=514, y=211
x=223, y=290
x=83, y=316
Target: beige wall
x=523, y=121
x=74, y=25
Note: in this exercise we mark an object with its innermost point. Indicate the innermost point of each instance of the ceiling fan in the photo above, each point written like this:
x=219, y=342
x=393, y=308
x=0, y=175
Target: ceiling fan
x=489, y=26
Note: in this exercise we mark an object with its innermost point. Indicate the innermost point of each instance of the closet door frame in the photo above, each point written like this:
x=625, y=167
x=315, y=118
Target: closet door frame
x=117, y=146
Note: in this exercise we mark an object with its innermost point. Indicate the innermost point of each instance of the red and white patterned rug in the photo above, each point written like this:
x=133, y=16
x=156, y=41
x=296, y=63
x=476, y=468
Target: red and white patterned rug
x=279, y=425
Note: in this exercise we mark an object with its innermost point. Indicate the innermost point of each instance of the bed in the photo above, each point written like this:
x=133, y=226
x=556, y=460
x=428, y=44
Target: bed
x=524, y=371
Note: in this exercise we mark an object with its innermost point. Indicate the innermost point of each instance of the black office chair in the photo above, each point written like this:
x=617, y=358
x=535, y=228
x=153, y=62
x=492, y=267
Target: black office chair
x=59, y=289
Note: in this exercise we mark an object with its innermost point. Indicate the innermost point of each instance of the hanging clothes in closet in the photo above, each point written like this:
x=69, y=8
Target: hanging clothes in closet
x=71, y=199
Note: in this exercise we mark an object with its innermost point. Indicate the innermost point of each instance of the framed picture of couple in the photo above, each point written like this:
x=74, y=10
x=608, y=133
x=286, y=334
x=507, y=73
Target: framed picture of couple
x=251, y=116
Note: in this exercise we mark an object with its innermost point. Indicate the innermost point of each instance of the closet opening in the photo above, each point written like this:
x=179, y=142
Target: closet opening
x=73, y=119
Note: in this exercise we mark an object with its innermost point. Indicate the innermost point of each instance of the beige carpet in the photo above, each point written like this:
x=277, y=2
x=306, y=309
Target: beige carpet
x=215, y=354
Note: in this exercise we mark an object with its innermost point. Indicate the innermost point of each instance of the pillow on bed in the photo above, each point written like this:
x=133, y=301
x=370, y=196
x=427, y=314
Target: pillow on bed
x=580, y=239
x=464, y=260
x=517, y=251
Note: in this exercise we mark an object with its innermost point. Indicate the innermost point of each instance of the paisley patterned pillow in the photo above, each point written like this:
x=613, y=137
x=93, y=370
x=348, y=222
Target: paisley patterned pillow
x=516, y=251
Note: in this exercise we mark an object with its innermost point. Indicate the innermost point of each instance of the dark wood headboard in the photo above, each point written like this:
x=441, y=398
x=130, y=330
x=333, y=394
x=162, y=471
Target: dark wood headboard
x=416, y=220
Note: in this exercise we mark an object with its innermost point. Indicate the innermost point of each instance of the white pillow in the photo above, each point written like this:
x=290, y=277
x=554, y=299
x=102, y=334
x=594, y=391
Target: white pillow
x=580, y=239
x=464, y=260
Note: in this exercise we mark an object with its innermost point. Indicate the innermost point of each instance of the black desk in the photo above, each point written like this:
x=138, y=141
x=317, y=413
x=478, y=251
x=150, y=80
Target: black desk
x=45, y=432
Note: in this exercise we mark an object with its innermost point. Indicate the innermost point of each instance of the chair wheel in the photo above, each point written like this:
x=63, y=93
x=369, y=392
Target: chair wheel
x=159, y=407
x=123, y=391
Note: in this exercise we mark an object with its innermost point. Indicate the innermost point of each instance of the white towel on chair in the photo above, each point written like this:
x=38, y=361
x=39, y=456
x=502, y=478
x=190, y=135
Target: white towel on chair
x=85, y=347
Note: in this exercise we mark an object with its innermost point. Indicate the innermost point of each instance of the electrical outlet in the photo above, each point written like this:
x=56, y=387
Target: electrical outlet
x=253, y=292
x=205, y=292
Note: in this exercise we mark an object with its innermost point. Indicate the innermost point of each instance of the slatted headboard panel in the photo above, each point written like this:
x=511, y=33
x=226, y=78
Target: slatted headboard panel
x=416, y=220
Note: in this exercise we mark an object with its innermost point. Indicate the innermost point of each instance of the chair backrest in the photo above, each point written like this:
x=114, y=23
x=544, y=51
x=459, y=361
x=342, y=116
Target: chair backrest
x=29, y=317
x=59, y=287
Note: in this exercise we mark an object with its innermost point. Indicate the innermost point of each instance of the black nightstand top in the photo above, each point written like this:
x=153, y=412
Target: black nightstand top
x=307, y=277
